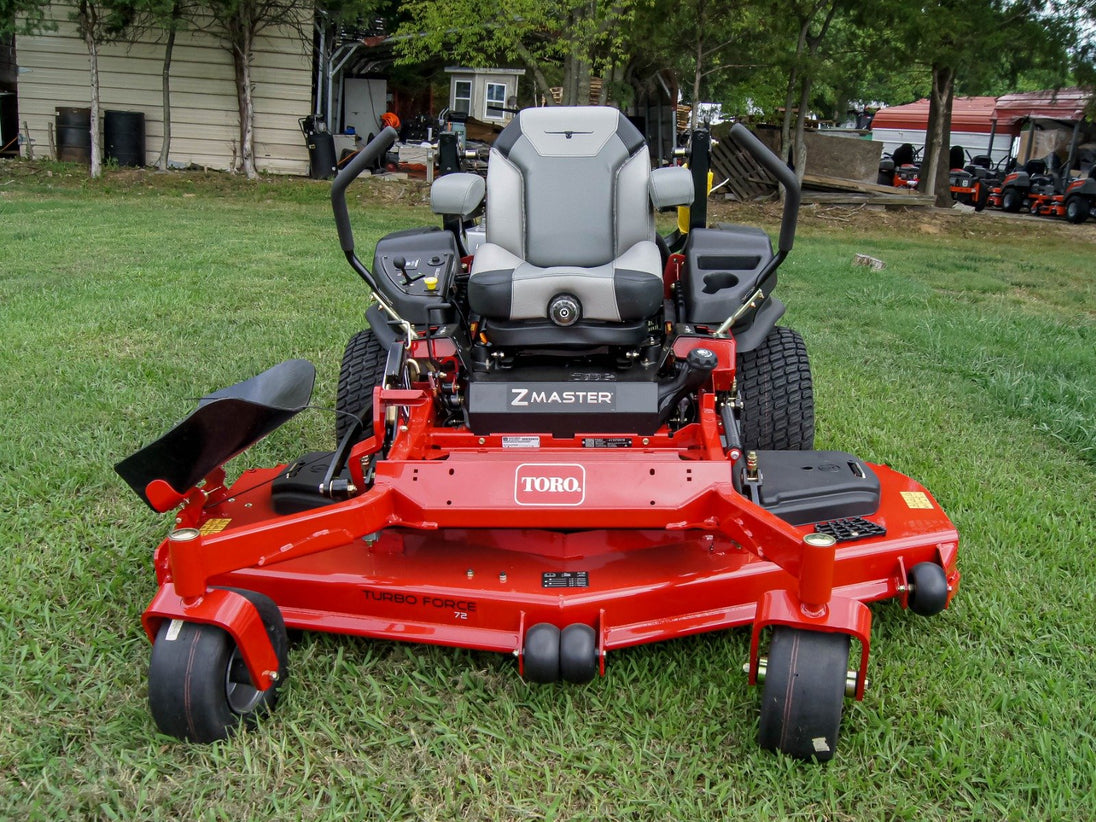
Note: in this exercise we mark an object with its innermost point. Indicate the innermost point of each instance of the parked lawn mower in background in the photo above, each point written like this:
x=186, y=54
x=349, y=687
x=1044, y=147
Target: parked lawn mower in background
x=1015, y=191
x=901, y=169
x=1073, y=200
x=1044, y=187
x=972, y=181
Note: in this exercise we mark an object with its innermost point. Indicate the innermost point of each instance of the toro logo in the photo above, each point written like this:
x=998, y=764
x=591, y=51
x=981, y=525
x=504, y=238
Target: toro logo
x=549, y=484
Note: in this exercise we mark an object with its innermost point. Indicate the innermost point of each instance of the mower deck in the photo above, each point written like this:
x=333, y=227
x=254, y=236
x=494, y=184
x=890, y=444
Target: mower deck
x=645, y=549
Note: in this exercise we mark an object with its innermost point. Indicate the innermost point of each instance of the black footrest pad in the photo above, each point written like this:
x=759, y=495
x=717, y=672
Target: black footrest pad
x=850, y=528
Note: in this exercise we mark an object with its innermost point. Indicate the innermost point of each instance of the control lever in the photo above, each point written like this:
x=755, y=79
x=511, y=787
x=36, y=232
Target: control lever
x=401, y=265
x=696, y=370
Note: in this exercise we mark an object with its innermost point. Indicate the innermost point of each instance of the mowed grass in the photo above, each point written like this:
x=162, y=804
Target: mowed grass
x=969, y=363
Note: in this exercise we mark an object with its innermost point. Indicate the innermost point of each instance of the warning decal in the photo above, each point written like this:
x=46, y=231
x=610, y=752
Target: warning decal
x=916, y=499
x=214, y=526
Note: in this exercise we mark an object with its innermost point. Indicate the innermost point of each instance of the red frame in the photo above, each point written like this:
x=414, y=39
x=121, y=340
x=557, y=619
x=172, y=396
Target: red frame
x=668, y=546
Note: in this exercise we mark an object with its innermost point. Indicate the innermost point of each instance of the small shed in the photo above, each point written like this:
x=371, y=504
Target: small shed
x=1052, y=121
x=486, y=94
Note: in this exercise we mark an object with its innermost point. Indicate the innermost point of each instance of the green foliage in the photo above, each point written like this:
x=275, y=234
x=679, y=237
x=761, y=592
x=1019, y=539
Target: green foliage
x=482, y=31
x=573, y=36
x=106, y=21
x=24, y=17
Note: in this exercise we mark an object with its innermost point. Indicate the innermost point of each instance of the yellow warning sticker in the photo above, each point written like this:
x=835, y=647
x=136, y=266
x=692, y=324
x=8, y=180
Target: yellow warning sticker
x=916, y=499
x=215, y=526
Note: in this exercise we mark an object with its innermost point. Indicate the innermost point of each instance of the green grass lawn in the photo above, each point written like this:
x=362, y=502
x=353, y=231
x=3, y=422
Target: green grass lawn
x=968, y=363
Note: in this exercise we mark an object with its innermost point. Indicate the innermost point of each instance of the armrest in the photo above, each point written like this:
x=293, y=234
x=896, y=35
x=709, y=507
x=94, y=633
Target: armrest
x=671, y=186
x=457, y=194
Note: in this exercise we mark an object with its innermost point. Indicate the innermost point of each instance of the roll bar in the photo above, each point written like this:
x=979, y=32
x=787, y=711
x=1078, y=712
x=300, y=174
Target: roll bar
x=773, y=164
x=350, y=172
x=786, y=177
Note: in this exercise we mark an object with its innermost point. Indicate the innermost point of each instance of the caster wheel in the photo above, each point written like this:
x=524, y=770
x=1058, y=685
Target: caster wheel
x=198, y=686
x=542, y=653
x=1011, y=200
x=578, y=653
x=981, y=197
x=804, y=693
x=928, y=589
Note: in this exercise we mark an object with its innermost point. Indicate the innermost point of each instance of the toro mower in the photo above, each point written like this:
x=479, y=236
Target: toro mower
x=555, y=439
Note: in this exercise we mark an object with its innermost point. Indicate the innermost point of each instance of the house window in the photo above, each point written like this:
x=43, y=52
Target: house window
x=496, y=100
x=462, y=96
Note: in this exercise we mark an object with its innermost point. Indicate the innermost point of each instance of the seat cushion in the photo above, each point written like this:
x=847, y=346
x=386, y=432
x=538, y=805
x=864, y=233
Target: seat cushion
x=504, y=286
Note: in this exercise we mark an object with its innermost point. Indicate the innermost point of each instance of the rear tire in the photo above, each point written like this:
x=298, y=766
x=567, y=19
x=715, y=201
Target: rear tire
x=362, y=370
x=1077, y=209
x=774, y=381
x=804, y=693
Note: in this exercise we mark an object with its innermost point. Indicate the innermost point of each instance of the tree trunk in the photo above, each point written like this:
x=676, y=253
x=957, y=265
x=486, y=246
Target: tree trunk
x=943, y=163
x=539, y=80
x=582, y=84
x=787, y=150
x=169, y=47
x=568, y=98
x=241, y=60
x=786, y=122
x=613, y=80
x=696, y=78
x=800, y=153
x=576, y=81
x=936, y=137
x=93, y=64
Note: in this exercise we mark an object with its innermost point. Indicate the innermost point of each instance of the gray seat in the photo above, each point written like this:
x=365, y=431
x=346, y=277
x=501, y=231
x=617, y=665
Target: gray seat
x=571, y=255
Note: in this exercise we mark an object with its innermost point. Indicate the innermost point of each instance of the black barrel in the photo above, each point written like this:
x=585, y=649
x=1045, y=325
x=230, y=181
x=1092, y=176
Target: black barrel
x=74, y=135
x=321, y=155
x=124, y=137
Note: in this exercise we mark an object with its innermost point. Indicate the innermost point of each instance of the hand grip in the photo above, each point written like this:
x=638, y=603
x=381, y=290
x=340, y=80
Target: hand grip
x=359, y=163
x=775, y=166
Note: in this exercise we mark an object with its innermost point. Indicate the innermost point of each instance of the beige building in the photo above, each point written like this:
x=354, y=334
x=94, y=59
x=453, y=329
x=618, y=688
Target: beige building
x=484, y=93
x=53, y=72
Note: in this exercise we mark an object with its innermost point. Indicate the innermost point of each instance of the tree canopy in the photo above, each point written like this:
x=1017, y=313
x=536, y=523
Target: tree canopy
x=771, y=55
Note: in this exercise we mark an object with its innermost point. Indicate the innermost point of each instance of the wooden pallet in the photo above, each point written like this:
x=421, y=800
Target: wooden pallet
x=743, y=177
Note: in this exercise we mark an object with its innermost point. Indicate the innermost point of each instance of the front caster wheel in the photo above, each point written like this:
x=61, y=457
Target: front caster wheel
x=928, y=594
x=804, y=693
x=198, y=686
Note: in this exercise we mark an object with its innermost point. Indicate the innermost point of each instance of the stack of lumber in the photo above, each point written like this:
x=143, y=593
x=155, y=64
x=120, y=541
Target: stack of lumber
x=821, y=189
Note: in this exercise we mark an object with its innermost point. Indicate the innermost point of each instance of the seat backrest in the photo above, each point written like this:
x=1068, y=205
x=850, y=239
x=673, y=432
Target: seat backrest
x=569, y=186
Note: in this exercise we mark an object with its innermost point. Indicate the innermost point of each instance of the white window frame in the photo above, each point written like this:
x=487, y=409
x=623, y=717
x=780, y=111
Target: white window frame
x=457, y=99
x=487, y=101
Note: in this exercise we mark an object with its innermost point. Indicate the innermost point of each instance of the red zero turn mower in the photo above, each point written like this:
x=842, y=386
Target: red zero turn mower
x=556, y=438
